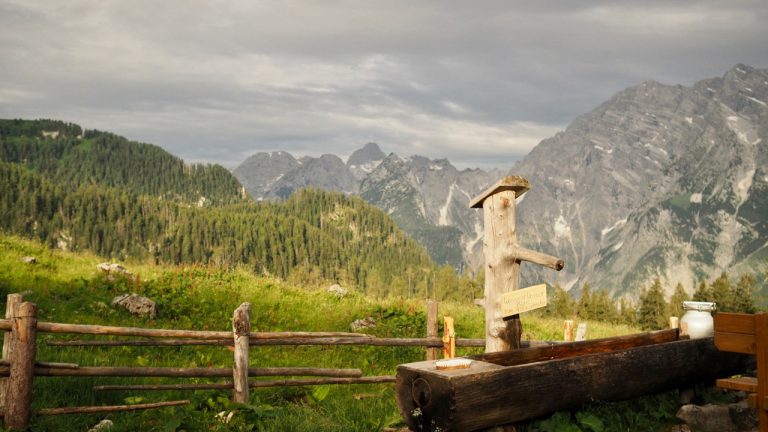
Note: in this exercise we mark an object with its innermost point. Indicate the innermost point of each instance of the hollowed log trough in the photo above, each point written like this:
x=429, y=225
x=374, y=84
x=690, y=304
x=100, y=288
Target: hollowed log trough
x=507, y=387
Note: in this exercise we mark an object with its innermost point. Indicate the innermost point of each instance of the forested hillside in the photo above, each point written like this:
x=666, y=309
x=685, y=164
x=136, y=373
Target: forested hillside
x=71, y=157
x=100, y=192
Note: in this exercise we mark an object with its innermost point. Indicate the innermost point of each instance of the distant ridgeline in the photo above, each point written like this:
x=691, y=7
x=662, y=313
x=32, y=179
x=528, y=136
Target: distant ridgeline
x=90, y=190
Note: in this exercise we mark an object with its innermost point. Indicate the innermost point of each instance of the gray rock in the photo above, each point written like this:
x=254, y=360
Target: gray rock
x=707, y=418
x=136, y=305
x=744, y=417
x=113, y=270
x=363, y=323
x=337, y=290
x=102, y=426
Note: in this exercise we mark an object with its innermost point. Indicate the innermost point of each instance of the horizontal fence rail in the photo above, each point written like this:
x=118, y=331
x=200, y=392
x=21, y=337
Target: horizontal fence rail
x=358, y=340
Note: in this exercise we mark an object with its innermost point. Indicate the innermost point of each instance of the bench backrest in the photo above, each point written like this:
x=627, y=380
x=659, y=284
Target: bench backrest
x=735, y=332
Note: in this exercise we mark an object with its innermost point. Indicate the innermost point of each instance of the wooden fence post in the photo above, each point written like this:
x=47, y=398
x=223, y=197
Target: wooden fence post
x=23, y=351
x=432, y=328
x=13, y=302
x=502, y=259
x=241, y=326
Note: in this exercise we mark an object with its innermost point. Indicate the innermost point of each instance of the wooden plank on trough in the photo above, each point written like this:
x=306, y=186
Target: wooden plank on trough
x=735, y=323
x=572, y=349
x=746, y=384
x=735, y=342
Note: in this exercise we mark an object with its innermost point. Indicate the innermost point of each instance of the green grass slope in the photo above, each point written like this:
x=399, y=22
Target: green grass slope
x=68, y=288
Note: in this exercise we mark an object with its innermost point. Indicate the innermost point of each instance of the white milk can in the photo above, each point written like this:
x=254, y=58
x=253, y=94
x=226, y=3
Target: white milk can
x=697, y=319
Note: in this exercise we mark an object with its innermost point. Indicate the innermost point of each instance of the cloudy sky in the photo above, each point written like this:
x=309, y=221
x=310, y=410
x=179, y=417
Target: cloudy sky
x=478, y=82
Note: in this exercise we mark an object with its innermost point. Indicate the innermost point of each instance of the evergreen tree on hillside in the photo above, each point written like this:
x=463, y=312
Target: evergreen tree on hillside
x=584, y=307
x=560, y=304
x=676, y=301
x=743, y=294
x=653, y=308
x=722, y=294
x=603, y=308
x=627, y=312
x=703, y=292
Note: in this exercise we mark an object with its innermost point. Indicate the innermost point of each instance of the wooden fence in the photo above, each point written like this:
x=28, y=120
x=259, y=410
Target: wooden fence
x=20, y=364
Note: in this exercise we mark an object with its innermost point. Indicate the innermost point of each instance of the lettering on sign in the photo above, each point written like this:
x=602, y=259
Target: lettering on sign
x=523, y=300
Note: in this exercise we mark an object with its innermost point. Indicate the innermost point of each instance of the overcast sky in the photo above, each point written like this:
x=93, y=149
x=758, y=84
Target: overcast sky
x=478, y=82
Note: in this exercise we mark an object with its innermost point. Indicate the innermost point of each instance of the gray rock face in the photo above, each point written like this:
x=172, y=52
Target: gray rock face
x=326, y=172
x=363, y=161
x=429, y=199
x=660, y=180
x=278, y=174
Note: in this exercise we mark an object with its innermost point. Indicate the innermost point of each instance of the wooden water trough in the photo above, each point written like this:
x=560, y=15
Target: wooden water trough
x=506, y=387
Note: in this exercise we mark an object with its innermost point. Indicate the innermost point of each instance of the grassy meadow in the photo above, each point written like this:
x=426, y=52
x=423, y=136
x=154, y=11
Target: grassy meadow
x=69, y=288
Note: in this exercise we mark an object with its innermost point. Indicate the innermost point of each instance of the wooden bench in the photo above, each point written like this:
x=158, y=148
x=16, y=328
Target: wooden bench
x=747, y=334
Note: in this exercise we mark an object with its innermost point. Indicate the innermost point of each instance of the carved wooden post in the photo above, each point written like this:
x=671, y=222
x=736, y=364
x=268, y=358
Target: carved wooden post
x=432, y=328
x=13, y=302
x=241, y=326
x=502, y=259
x=23, y=338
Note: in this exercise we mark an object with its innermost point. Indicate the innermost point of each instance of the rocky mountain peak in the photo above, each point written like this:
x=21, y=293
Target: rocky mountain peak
x=363, y=161
x=652, y=183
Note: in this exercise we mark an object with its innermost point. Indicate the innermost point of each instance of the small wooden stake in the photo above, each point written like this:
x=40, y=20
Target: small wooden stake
x=568, y=330
x=432, y=328
x=23, y=338
x=581, y=332
x=674, y=322
x=241, y=326
x=449, y=338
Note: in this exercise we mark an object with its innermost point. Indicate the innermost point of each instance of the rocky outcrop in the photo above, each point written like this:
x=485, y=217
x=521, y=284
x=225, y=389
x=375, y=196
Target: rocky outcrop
x=660, y=180
x=363, y=161
x=115, y=270
x=337, y=290
x=735, y=417
x=136, y=305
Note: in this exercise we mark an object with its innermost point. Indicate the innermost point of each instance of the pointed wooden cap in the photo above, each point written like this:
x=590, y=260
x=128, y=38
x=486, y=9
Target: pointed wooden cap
x=515, y=183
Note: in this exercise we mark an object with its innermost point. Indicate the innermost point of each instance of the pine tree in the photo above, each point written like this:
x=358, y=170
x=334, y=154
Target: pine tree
x=561, y=305
x=584, y=306
x=676, y=301
x=653, y=308
x=703, y=292
x=722, y=294
x=743, y=294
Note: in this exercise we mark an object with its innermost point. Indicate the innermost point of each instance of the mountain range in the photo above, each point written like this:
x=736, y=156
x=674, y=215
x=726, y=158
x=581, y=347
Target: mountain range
x=427, y=198
x=661, y=181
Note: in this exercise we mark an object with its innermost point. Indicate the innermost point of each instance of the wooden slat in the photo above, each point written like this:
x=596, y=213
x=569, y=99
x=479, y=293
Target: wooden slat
x=735, y=323
x=761, y=334
x=746, y=384
x=735, y=342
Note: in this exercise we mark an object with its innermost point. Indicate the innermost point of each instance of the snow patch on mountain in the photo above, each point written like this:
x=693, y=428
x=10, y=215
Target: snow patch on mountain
x=443, y=219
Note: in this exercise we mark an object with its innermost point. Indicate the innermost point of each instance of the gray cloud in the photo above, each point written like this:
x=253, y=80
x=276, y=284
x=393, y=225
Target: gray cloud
x=477, y=82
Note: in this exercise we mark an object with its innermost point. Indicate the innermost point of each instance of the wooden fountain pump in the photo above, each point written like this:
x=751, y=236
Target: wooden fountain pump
x=502, y=260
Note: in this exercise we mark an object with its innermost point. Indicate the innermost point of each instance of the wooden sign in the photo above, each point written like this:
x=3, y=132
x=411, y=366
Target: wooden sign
x=523, y=300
